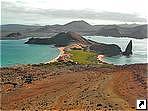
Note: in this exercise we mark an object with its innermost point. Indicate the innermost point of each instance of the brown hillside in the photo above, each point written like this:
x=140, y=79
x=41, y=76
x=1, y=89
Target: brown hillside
x=73, y=87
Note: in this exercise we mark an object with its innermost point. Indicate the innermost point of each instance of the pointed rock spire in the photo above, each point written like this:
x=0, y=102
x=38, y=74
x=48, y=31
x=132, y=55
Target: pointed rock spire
x=128, y=50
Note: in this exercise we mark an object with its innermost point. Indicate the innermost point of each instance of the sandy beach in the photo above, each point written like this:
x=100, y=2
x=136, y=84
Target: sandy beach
x=61, y=49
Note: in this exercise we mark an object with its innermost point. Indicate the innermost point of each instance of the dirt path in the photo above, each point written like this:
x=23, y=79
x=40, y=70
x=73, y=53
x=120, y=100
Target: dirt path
x=89, y=90
x=68, y=91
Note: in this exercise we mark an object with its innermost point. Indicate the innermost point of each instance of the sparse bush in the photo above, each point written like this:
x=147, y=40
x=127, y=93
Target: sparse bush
x=28, y=79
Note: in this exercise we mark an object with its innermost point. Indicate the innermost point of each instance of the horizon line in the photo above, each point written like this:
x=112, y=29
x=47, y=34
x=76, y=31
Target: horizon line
x=126, y=23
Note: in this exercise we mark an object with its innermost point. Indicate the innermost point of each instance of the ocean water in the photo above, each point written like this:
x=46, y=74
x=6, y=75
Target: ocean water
x=139, y=49
x=15, y=52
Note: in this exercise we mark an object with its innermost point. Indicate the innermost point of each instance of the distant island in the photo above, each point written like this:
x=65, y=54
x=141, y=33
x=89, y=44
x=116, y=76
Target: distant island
x=17, y=31
x=71, y=39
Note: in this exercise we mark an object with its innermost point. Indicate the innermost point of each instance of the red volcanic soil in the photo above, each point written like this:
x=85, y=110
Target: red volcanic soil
x=131, y=85
x=75, y=87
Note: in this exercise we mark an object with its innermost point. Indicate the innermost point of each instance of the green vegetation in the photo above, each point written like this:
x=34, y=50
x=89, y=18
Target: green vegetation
x=83, y=57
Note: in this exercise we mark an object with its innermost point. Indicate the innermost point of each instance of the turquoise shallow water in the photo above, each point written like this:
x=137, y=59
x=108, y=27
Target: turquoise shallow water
x=139, y=49
x=15, y=52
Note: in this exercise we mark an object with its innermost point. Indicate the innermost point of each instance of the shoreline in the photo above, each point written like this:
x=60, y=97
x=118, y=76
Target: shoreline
x=61, y=49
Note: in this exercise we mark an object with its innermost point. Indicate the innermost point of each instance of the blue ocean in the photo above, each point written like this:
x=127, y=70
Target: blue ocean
x=15, y=52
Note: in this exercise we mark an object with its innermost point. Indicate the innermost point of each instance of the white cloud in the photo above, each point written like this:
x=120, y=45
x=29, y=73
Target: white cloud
x=114, y=10
x=122, y=6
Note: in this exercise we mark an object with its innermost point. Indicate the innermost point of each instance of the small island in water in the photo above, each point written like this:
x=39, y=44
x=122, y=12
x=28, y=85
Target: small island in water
x=78, y=78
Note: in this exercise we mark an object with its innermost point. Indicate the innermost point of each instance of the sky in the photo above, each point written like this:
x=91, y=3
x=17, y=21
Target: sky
x=49, y=12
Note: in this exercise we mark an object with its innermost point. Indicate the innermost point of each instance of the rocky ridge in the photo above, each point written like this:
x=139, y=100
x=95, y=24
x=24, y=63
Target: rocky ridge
x=82, y=27
x=65, y=39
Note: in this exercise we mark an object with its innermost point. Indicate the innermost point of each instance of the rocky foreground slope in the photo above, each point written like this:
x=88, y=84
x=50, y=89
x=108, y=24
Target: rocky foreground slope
x=67, y=86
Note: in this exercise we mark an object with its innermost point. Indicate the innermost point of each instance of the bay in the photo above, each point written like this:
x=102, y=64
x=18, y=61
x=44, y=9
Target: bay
x=15, y=52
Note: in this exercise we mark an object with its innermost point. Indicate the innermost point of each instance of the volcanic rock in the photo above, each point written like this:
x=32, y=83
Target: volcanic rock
x=128, y=50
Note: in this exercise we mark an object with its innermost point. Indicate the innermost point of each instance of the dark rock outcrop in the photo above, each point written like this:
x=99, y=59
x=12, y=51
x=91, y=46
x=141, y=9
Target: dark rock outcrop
x=14, y=35
x=59, y=40
x=65, y=39
x=106, y=49
x=43, y=41
x=128, y=50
